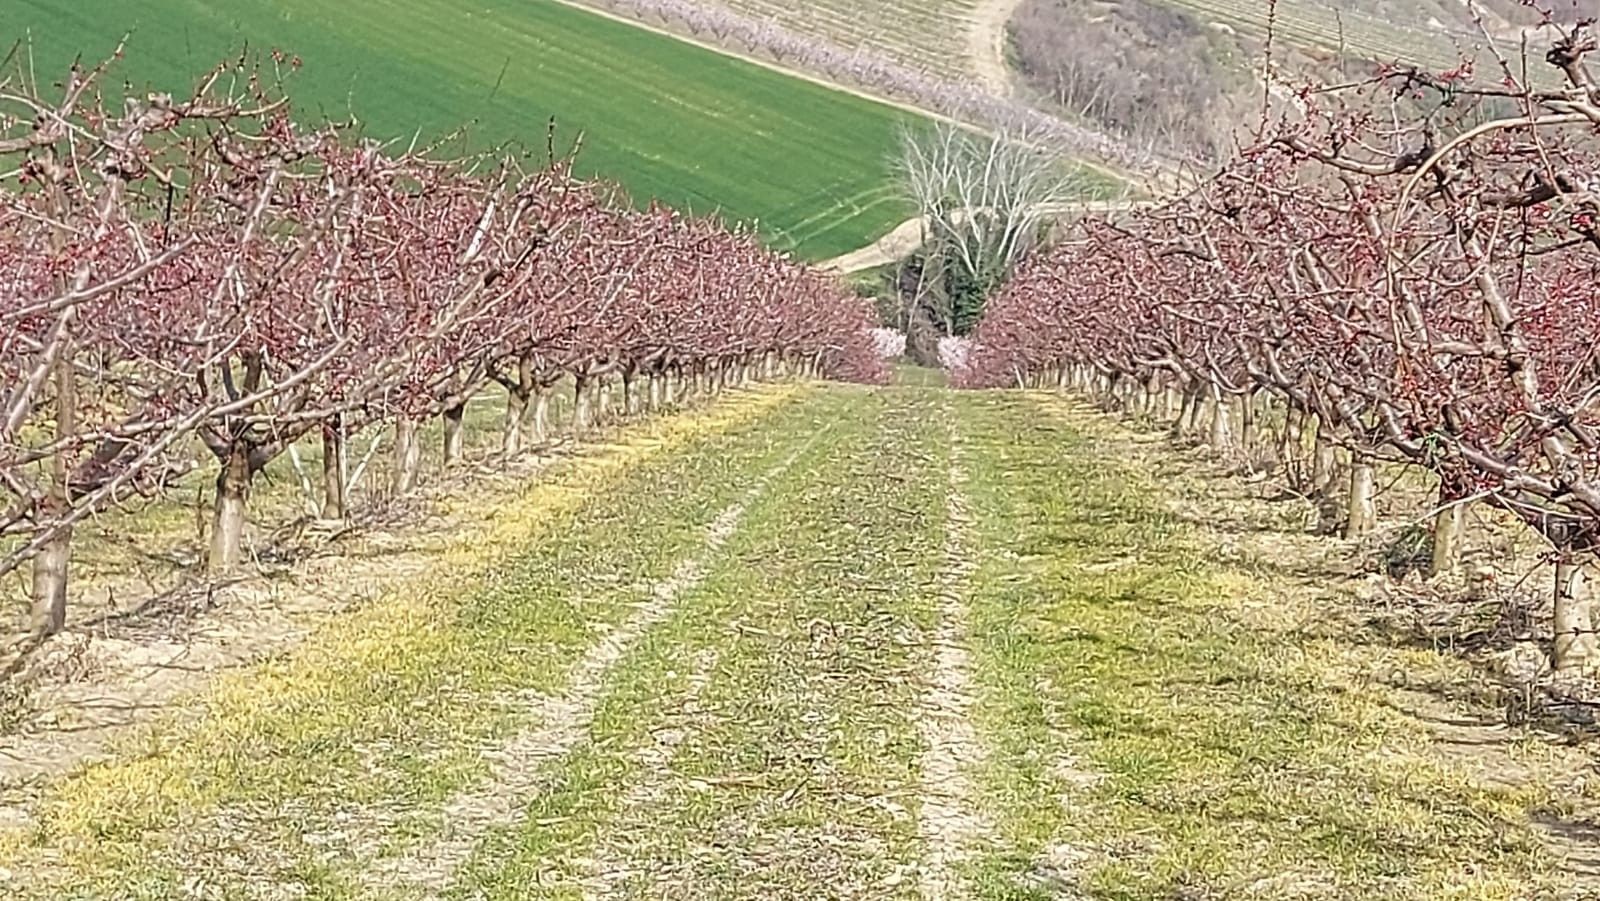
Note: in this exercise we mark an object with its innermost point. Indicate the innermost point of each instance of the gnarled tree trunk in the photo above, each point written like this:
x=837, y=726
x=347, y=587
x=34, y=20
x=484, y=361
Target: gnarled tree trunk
x=1574, y=616
x=407, y=456
x=228, y=516
x=453, y=418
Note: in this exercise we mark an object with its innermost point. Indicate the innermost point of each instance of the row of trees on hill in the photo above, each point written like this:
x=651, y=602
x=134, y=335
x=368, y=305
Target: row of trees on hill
x=1396, y=277
x=202, y=271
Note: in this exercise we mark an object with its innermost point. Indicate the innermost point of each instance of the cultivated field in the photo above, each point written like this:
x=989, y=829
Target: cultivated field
x=928, y=34
x=1325, y=27
x=696, y=129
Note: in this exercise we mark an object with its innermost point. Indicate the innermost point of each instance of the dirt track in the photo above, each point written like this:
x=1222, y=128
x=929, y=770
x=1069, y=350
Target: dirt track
x=904, y=239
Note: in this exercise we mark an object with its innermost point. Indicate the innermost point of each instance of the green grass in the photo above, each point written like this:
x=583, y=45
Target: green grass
x=699, y=130
x=802, y=727
x=1176, y=726
x=384, y=713
x=1160, y=709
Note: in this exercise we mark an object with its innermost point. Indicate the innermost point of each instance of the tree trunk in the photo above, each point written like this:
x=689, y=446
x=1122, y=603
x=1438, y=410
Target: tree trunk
x=630, y=397
x=1247, y=423
x=539, y=425
x=1362, y=516
x=1219, y=437
x=516, y=413
x=1574, y=617
x=407, y=456
x=1325, y=461
x=48, y=598
x=49, y=604
x=228, y=519
x=582, y=408
x=653, y=391
x=1448, y=526
x=1292, y=443
x=453, y=417
x=335, y=475
x=603, y=412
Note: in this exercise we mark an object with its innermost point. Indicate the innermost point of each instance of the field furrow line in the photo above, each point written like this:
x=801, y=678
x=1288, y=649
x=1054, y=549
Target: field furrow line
x=610, y=868
x=950, y=824
x=519, y=765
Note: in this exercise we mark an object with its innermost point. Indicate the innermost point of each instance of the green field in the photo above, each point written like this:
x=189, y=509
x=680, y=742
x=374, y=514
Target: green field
x=699, y=130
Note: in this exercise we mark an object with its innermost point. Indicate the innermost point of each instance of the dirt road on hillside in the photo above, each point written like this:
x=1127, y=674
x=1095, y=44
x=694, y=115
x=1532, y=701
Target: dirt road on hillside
x=904, y=239
x=986, y=44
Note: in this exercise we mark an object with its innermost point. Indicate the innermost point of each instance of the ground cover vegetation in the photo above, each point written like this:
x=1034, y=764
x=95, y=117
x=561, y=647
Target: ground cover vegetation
x=1217, y=580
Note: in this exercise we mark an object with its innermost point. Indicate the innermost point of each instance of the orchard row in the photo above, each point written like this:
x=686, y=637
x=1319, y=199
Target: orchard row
x=193, y=271
x=1405, y=270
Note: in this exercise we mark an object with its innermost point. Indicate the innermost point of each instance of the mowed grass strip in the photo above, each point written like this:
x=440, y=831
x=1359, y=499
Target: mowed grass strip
x=349, y=746
x=792, y=774
x=699, y=130
x=1164, y=725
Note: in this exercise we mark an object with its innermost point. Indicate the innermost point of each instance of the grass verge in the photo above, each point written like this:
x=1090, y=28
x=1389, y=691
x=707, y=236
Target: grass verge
x=1165, y=723
x=291, y=769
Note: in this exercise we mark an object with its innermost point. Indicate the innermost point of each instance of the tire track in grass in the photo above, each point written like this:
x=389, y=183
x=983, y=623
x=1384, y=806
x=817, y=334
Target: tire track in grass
x=296, y=771
x=950, y=824
x=608, y=871
x=518, y=772
x=802, y=780
x=1031, y=778
x=797, y=776
x=586, y=822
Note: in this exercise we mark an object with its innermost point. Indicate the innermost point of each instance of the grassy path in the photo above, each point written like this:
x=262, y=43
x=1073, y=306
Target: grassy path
x=895, y=643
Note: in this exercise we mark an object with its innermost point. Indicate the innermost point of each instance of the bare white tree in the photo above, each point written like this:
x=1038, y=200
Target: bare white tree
x=984, y=200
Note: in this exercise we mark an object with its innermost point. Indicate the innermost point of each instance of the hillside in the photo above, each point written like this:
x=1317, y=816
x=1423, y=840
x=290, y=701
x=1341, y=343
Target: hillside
x=1185, y=76
x=694, y=128
x=410, y=520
